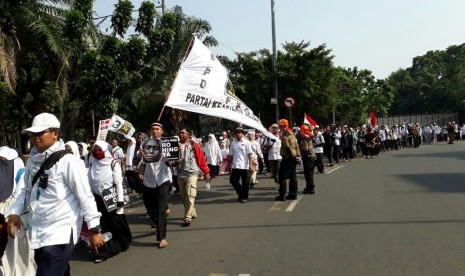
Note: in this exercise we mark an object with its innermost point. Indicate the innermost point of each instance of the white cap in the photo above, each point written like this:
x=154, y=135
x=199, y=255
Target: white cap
x=42, y=122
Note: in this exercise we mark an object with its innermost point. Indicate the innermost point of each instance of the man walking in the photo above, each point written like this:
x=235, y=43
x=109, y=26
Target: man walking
x=241, y=164
x=156, y=177
x=56, y=199
x=191, y=162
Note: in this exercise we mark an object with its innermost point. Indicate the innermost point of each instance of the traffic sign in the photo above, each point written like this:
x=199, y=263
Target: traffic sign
x=289, y=102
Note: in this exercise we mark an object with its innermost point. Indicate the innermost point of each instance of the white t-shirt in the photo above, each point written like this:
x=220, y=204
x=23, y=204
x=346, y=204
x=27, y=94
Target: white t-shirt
x=274, y=151
x=240, y=151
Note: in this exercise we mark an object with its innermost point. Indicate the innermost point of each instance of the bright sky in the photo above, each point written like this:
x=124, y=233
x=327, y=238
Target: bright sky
x=381, y=36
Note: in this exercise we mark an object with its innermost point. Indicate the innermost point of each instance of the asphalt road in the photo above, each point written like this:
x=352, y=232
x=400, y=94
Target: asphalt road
x=401, y=213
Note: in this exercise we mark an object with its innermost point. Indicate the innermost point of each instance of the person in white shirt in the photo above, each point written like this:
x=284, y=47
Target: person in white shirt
x=213, y=157
x=337, y=135
x=319, y=142
x=273, y=146
x=157, y=177
x=256, y=157
x=240, y=153
x=117, y=152
x=56, y=202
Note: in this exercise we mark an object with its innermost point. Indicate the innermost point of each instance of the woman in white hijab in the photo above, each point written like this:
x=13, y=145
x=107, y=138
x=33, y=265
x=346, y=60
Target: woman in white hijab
x=106, y=181
x=213, y=157
x=11, y=176
x=73, y=148
x=11, y=182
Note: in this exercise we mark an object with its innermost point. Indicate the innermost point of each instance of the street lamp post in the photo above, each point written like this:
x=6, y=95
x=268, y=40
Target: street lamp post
x=273, y=62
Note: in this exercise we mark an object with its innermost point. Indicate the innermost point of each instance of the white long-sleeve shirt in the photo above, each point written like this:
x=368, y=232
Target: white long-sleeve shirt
x=56, y=211
x=109, y=178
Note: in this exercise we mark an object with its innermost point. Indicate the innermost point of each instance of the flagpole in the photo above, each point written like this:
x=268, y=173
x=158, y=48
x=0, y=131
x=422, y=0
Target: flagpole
x=184, y=58
x=273, y=62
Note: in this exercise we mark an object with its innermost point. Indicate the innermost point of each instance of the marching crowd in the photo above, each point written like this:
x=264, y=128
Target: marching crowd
x=71, y=191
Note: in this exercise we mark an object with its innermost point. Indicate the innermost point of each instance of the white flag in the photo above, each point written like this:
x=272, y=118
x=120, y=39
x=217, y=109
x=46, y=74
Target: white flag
x=202, y=86
x=119, y=125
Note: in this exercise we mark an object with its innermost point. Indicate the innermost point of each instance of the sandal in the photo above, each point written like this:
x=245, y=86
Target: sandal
x=163, y=244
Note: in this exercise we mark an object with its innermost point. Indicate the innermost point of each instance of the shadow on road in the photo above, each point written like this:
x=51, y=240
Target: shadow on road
x=459, y=155
x=438, y=182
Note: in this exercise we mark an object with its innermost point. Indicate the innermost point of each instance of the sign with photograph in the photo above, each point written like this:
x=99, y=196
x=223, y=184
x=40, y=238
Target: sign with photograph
x=170, y=148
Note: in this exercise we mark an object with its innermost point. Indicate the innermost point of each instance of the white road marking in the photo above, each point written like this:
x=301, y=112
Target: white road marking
x=330, y=171
x=244, y=274
x=276, y=206
x=291, y=206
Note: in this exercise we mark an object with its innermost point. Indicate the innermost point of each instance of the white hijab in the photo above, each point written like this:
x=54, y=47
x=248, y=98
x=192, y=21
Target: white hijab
x=212, y=150
x=84, y=148
x=99, y=169
x=74, y=148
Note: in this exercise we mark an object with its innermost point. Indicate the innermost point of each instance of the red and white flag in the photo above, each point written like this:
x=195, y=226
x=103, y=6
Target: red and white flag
x=308, y=120
x=372, y=120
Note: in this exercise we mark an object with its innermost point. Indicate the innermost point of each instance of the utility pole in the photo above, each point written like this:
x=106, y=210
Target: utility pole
x=162, y=7
x=273, y=62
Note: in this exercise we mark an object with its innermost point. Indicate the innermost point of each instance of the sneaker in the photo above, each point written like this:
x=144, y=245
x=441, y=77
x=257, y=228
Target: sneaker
x=243, y=200
x=207, y=185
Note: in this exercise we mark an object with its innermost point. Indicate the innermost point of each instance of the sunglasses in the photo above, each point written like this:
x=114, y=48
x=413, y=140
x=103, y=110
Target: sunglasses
x=38, y=134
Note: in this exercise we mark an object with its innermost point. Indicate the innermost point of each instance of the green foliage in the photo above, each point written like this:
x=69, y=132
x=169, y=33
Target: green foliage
x=134, y=53
x=433, y=84
x=75, y=24
x=50, y=97
x=160, y=42
x=121, y=18
x=146, y=20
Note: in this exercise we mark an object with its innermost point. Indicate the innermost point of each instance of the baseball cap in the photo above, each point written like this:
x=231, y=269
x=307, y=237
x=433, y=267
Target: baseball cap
x=42, y=122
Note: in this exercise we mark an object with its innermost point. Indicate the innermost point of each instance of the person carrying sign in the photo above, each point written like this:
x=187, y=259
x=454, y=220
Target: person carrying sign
x=56, y=199
x=191, y=163
x=157, y=177
x=106, y=182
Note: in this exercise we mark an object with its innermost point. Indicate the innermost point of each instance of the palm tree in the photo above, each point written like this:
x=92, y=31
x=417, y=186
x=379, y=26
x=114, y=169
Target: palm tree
x=31, y=26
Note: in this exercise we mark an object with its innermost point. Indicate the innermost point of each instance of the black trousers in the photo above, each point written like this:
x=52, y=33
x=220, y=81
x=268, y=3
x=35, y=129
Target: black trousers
x=237, y=177
x=54, y=259
x=308, y=172
x=328, y=151
x=336, y=153
x=319, y=162
x=156, y=200
x=287, y=171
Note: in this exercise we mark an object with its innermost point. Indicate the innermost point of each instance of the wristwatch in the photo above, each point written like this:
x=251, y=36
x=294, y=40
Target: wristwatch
x=97, y=229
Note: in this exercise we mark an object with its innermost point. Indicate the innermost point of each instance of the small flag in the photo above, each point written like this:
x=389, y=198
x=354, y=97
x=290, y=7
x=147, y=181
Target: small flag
x=372, y=120
x=308, y=120
x=119, y=125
